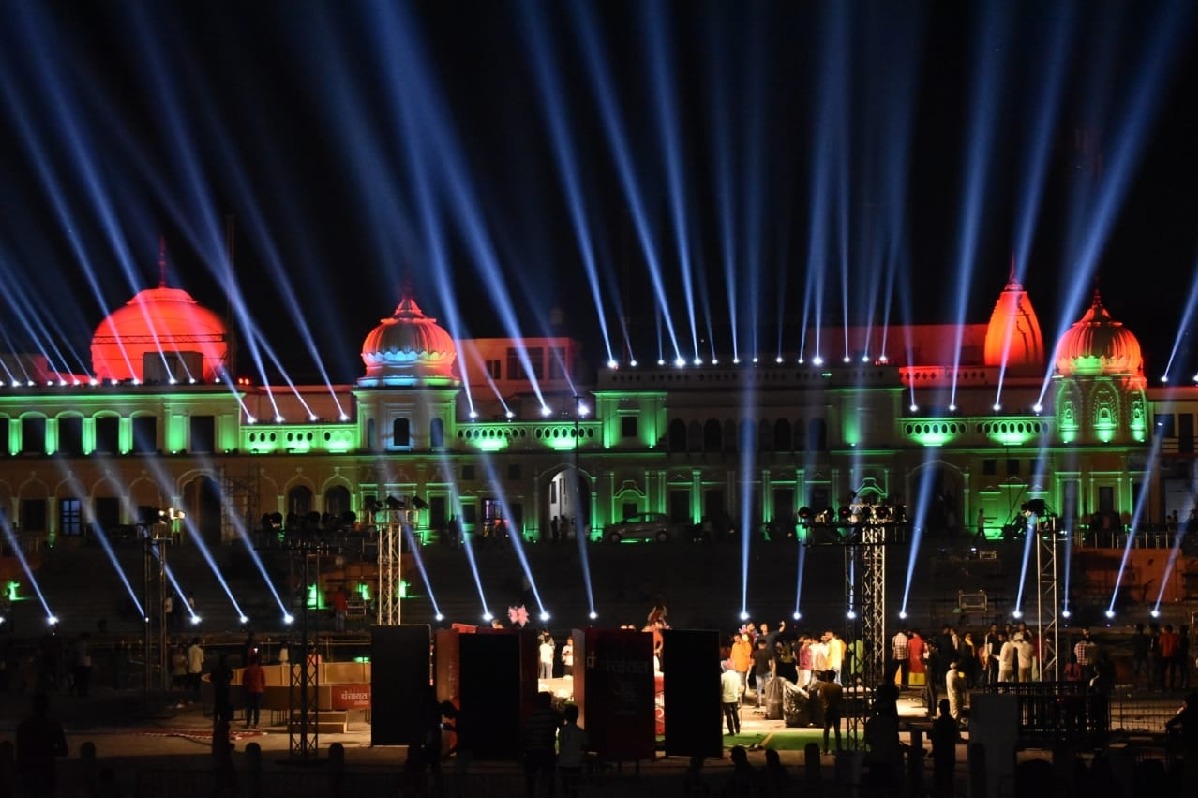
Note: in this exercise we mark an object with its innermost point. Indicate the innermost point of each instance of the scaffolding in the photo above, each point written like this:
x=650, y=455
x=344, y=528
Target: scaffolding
x=865, y=588
x=1048, y=598
x=240, y=501
x=390, y=525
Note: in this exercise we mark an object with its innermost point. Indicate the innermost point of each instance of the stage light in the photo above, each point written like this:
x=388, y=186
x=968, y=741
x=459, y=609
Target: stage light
x=1164, y=378
x=998, y=406
x=818, y=361
x=312, y=417
x=736, y=361
x=244, y=619
x=510, y=414
x=545, y=411
x=883, y=359
x=440, y=617
x=344, y=417
x=778, y=359
x=51, y=620
x=952, y=406
x=1109, y=613
x=393, y=503
x=698, y=361
x=1037, y=407
x=633, y=362
x=847, y=359
x=902, y=614
x=852, y=614
x=1017, y=614
x=473, y=414
x=864, y=359
x=661, y=362
x=280, y=419
x=744, y=615
x=487, y=616
x=288, y=619
x=1067, y=613
x=913, y=407
x=195, y=621
x=1155, y=613
x=796, y=615
x=612, y=364
x=544, y=615
x=715, y=361
x=594, y=615
x=250, y=420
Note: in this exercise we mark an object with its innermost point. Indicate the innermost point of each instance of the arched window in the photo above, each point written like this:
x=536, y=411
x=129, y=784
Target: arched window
x=800, y=442
x=713, y=439
x=782, y=442
x=817, y=436
x=401, y=432
x=337, y=502
x=677, y=436
x=729, y=436
x=299, y=501
x=765, y=438
x=436, y=432
x=694, y=437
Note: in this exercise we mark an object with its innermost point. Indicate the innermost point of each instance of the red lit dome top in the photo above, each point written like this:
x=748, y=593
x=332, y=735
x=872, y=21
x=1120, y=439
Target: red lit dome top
x=169, y=325
x=409, y=349
x=1099, y=345
x=1013, y=337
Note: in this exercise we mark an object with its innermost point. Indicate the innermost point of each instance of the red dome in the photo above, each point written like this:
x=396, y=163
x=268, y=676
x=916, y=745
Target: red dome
x=160, y=320
x=1098, y=345
x=408, y=348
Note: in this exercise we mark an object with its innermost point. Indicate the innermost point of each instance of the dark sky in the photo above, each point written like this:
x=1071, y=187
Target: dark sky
x=897, y=151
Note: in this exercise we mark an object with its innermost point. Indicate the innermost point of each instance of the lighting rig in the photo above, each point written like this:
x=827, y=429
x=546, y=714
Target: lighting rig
x=303, y=706
x=865, y=531
x=1045, y=522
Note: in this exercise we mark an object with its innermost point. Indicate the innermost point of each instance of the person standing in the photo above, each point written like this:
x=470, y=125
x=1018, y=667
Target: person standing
x=831, y=699
x=763, y=669
x=742, y=659
x=1024, y=655
x=730, y=691
x=195, y=666
x=898, y=658
x=945, y=736
x=555, y=530
x=340, y=602
x=545, y=651
x=572, y=746
x=568, y=657
x=539, y=745
x=81, y=665
x=222, y=681
x=253, y=681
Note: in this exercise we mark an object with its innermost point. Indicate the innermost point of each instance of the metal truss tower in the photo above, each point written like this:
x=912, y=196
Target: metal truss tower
x=390, y=526
x=1048, y=599
x=865, y=587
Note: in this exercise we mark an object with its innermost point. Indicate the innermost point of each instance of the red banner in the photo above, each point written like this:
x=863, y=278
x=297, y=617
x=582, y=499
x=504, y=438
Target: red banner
x=351, y=697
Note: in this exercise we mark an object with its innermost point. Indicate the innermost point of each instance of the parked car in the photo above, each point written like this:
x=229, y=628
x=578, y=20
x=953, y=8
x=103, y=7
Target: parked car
x=641, y=527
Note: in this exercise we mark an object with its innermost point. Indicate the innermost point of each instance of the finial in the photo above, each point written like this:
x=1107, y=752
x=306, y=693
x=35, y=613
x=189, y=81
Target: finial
x=161, y=261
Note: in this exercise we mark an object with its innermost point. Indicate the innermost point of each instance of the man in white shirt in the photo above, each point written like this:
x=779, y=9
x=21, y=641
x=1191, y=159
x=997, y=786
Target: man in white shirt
x=195, y=666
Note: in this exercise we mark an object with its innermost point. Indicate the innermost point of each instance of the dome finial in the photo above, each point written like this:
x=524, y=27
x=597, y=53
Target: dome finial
x=161, y=261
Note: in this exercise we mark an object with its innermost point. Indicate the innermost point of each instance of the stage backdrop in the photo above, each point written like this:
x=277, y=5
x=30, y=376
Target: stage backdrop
x=399, y=682
x=614, y=687
x=694, y=718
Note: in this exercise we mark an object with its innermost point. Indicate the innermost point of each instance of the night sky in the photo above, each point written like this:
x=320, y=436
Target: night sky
x=781, y=154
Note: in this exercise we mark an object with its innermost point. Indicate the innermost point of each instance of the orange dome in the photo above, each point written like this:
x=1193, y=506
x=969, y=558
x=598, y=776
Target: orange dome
x=162, y=321
x=408, y=348
x=1098, y=345
x=1013, y=336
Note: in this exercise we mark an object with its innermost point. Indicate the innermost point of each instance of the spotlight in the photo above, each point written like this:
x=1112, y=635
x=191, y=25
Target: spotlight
x=736, y=360
x=244, y=619
x=744, y=615
x=288, y=619
x=796, y=615
x=510, y=414
x=952, y=406
x=698, y=361
x=544, y=615
x=418, y=502
x=473, y=414
x=1017, y=613
x=195, y=620
x=51, y=620
x=487, y=616
x=754, y=359
x=1067, y=613
x=1109, y=613
x=250, y=420
x=902, y=614
x=998, y=406
x=440, y=617
x=883, y=359
x=545, y=410
x=373, y=505
x=847, y=359
x=344, y=417
x=1155, y=613
x=913, y=407
x=594, y=615
x=805, y=515
x=1037, y=407
x=852, y=614
x=393, y=503
x=312, y=417
x=1164, y=378
x=612, y=364
x=864, y=359
x=818, y=361
x=280, y=419
x=661, y=361
x=778, y=359
x=714, y=361
x=680, y=361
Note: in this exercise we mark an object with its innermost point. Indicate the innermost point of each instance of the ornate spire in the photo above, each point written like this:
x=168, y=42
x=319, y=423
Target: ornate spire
x=161, y=262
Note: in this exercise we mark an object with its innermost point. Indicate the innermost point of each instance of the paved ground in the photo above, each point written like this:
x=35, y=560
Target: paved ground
x=152, y=748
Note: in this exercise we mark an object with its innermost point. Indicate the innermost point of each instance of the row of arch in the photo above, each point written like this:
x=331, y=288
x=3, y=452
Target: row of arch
x=779, y=435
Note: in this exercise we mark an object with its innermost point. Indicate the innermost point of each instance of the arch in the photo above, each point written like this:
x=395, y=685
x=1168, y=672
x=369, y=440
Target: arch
x=436, y=433
x=337, y=501
x=694, y=436
x=765, y=436
x=713, y=436
x=817, y=435
x=676, y=436
x=782, y=436
x=729, y=436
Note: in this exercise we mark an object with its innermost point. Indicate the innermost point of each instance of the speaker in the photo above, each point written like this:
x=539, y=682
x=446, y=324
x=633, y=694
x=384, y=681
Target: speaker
x=694, y=717
x=399, y=683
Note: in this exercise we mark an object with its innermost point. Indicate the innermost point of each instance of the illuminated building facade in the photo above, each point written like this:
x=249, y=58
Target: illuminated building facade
x=959, y=421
